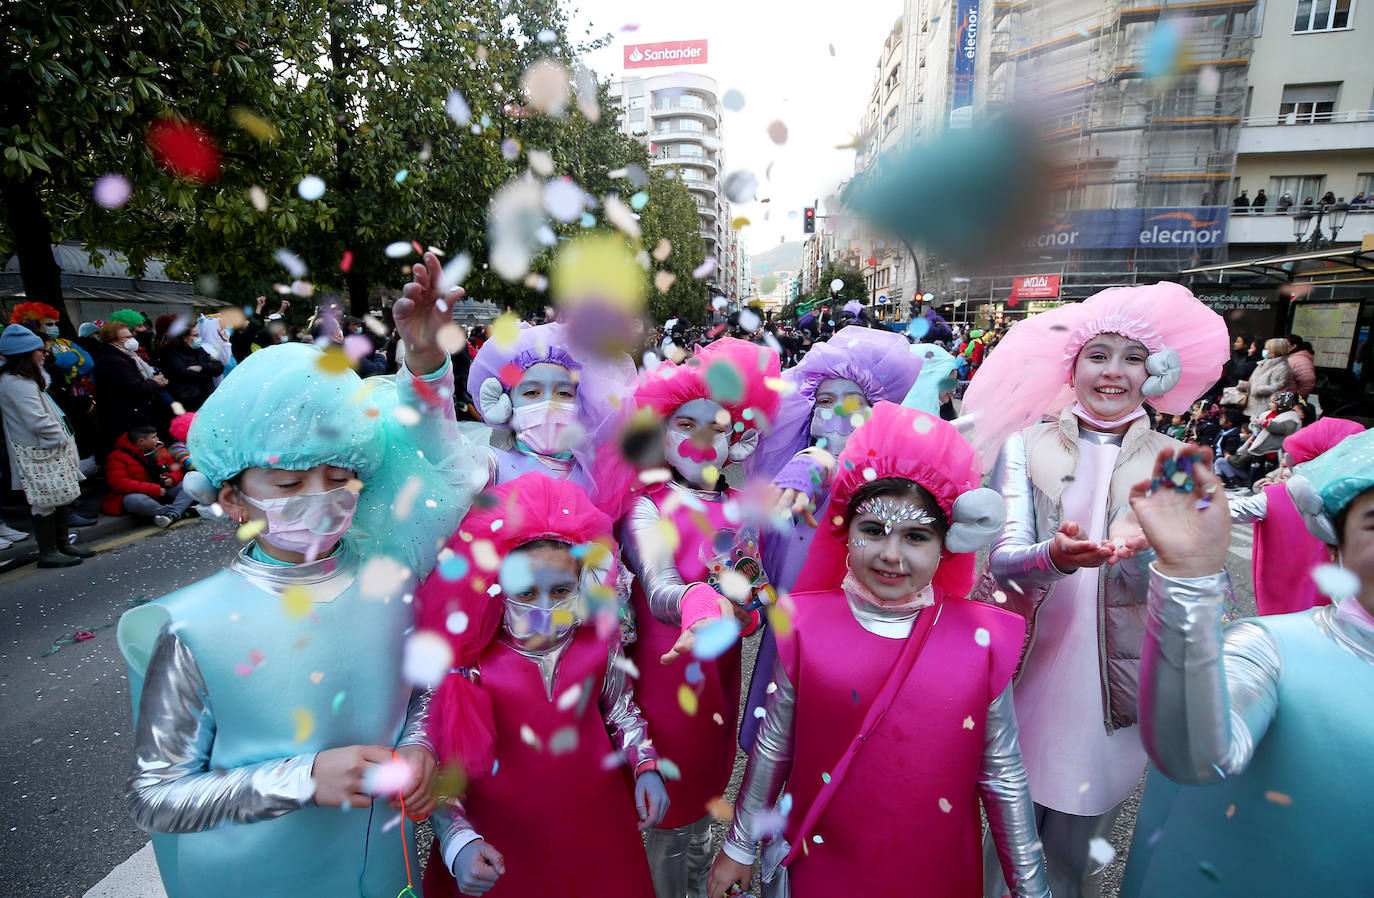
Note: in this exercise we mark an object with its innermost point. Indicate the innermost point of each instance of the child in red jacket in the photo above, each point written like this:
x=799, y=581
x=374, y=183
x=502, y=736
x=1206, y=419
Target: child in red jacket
x=143, y=478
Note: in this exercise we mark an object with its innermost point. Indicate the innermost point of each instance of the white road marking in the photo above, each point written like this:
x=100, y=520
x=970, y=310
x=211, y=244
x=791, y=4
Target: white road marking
x=137, y=877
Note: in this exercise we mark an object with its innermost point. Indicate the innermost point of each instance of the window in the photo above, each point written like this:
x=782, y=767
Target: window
x=1364, y=184
x=637, y=102
x=1300, y=189
x=1304, y=104
x=1322, y=15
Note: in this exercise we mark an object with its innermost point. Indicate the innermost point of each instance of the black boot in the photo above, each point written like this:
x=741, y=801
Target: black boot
x=63, y=516
x=45, y=531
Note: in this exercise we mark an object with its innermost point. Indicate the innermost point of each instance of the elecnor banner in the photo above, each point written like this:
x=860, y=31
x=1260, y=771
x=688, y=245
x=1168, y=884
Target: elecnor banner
x=965, y=49
x=1196, y=227
x=1035, y=286
x=643, y=56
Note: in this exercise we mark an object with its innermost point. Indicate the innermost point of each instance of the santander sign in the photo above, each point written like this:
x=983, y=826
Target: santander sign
x=643, y=56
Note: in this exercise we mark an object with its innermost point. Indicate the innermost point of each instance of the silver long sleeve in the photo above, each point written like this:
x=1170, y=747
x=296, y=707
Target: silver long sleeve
x=1005, y=791
x=1019, y=556
x=453, y=830
x=624, y=721
x=415, y=731
x=770, y=764
x=1249, y=509
x=651, y=562
x=171, y=787
x=1205, y=701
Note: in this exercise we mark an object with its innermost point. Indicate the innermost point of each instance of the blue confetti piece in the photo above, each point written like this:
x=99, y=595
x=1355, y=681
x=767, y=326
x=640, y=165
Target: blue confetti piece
x=918, y=327
x=693, y=673
x=402, y=175
x=714, y=639
x=588, y=220
x=453, y=567
x=639, y=201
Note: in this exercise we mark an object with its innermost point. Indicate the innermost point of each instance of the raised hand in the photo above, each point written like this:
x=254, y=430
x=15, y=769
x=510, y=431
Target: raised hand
x=419, y=315
x=1188, y=529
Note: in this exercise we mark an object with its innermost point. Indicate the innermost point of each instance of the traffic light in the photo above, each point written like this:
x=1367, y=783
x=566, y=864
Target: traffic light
x=809, y=220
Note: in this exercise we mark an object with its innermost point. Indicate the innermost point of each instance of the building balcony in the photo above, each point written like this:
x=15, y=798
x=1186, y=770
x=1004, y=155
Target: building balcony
x=663, y=134
x=1352, y=130
x=707, y=187
x=704, y=163
x=1275, y=229
x=707, y=210
x=703, y=113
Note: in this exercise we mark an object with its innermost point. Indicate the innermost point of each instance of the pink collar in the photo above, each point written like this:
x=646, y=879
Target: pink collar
x=1098, y=423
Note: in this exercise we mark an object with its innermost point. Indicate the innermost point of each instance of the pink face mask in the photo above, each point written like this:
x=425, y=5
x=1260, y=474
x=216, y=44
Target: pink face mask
x=307, y=523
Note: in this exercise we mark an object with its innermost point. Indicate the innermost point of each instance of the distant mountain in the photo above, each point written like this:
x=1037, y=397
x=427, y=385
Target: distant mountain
x=783, y=257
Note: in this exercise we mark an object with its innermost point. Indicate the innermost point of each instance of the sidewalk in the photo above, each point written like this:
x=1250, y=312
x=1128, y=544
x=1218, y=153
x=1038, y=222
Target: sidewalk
x=17, y=515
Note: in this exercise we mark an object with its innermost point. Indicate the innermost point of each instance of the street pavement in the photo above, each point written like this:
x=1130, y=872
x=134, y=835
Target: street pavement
x=68, y=724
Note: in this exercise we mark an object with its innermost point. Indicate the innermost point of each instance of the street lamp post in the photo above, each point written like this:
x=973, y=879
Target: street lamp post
x=1317, y=240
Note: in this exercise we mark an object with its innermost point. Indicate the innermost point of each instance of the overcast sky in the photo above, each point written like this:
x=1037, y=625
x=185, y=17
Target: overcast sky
x=777, y=54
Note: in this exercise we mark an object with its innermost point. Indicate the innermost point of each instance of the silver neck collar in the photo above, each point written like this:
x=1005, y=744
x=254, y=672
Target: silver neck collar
x=325, y=578
x=890, y=624
x=545, y=658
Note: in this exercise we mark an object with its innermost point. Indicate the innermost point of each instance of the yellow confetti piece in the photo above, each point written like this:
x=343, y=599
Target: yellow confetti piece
x=687, y=699
x=296, y=601
x=505, y=330
x=710, y=474
x=739, y=222
x=667, y=532
x=850, y=404
x=254, y=124
x=562, y=617
x=720, y=809
x=780, y=619
x=249, y=529
x=333, y=361
x=305, y=724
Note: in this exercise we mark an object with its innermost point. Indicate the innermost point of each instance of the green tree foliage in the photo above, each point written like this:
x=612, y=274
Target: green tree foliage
x=349, y=91
x=671, y=215
x=855, y=288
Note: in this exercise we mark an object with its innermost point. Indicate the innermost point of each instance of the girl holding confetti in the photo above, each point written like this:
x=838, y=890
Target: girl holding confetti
x=678, y=538
x=549, y=402
x=1270, y=715
x=889, y=715
x=825, y=396
x=268, y=697
x=539, y=712
x=1067, y=560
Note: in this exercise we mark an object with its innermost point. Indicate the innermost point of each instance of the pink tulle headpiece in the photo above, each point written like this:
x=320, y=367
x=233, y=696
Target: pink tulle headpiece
x=730, y=371
x=1025, y=378
x=530, y=507
x=910, y=444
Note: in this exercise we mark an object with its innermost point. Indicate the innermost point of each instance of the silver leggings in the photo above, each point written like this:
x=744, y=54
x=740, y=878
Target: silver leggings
x=680, y=859
x=1071, y=872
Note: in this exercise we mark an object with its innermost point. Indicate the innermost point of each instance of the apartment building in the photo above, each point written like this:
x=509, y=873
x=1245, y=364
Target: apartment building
x=677, y=115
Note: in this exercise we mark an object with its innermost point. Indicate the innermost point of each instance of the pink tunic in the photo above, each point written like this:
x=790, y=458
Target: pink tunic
x=701, y=744
x=564, y=823
x=1285, y=554
x=905, y=821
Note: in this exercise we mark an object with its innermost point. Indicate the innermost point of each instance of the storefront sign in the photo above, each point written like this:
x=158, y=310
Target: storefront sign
x=643, y=56
x=1254, y=312
x=1169, y=227
x=1035, y=286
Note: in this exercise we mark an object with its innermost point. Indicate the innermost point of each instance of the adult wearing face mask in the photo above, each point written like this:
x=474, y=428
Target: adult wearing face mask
x=673, y=598
x=127, y=386
x=69, y=368
x=828, y=395
x=190, y=370
x=550, y=405
x=1272, y=375
x=269, y=696
x=1071, y=559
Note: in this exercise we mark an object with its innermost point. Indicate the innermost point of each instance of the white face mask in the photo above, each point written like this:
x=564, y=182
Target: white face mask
x=543, y=426
x=131, y=344
x=307, y=523
x=51, y=331
x=1264, y=353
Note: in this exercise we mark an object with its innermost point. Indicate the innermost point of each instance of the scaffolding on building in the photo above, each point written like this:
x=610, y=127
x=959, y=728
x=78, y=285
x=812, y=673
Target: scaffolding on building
x=1121, y=133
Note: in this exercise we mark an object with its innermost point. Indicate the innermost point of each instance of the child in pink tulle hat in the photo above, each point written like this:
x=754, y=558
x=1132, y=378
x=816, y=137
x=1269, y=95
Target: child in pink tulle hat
x=1072, y=558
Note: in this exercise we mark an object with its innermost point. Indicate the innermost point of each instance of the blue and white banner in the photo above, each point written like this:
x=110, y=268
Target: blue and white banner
x=965, y=49
x=1197, y=227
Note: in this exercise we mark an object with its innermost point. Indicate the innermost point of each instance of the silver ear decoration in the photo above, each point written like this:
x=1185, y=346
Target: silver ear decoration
x=1309, y=504
x=976, y=519
x=494, y=402
x=1165, y=369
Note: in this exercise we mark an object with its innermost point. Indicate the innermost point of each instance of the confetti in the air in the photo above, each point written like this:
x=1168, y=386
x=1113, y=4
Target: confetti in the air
x=304, y=722
x=687, y=700
x=457, y=108
x=716, y=638
x=426, y=658
x=388, y=778
x=310, y=187
x=184, y=149
x=1334, y=581
x=1101, y=851
x=112, y=191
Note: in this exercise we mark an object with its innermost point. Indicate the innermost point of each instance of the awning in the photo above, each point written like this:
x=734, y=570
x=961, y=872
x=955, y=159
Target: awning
x=1339, y=265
